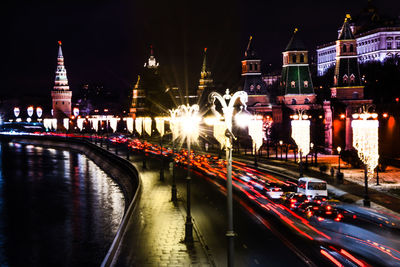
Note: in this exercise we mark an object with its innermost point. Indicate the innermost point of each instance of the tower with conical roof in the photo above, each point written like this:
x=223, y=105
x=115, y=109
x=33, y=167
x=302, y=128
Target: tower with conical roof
x=61, y=95
x=253, y=84
x=137, y=107
x=347, y=80
x=296, y=90
x=151, y=62
x=205, y=81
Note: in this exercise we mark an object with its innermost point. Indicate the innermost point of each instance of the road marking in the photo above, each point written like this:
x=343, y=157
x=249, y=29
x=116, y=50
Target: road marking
x=256, y=261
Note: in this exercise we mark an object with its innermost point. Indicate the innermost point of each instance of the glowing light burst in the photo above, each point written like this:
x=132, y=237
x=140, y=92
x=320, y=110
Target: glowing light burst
x=16, y=111
x=301, y=134
x=189, y=120
x=365, y=141
x=39, y=112
x=30, y=111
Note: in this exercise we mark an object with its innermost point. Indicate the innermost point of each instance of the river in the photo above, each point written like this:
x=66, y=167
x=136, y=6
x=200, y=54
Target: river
x=57, y=207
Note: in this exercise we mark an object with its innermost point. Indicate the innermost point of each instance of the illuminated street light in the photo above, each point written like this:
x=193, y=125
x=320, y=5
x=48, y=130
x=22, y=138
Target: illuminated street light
x=365, y=141
x=189, y=126
x=339, y=149
x=75, y=111
x=174, y=126
x=227, y=110
x=301, y=135
x=281, y=143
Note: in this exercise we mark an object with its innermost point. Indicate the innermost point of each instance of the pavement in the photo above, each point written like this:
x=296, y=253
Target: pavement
x=155, y=231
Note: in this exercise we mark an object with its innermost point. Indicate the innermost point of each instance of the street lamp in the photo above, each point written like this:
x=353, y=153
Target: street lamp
x=365, y=140
x=339, y=149
x=281, y=143
x=301, y=135
x=227, y=110
x=174, y=126
x=189, y=126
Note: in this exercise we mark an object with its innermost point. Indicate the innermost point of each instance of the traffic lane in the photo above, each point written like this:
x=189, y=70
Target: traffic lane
x=255, y=245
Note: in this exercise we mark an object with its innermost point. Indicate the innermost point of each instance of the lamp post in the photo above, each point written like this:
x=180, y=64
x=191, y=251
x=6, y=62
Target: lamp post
x=339, y=149
x=301, y=135
x=312, y=152
x=189, y=126
x=173, y=125
x=225, y=138
x=280, y=144
x=160, y=129
x=365, y=140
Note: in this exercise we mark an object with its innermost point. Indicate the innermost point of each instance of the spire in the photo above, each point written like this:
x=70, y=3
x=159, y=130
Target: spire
x=151, y=63
x=295, y=44
x=203, y=68
x=250, y=53
x=60, y=53
x=346, y=32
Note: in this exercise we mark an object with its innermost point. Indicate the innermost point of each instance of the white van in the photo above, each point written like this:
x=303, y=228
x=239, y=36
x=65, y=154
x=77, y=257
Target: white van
x=312, y=187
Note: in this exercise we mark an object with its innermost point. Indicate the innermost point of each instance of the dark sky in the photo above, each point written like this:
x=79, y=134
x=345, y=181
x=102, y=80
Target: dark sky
x=107, y=41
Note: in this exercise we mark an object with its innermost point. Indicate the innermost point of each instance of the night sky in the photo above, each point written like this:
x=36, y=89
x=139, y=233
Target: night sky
x=107, y=41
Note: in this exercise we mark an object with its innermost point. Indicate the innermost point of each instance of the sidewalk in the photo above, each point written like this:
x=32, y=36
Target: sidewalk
x=156, y=229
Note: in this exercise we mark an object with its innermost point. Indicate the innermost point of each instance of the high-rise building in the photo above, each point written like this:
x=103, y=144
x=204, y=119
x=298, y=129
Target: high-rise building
x=61, y=95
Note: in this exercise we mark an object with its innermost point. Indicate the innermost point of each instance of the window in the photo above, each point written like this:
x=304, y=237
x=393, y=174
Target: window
x=345, y=78
x=398, y=44
x=258, y=87
x=305, y=84
x=252, y=87
x=307, y=101
x=351, y=48
x=355, y=95
x=294, y=102
x=250, y=66
x=63, y=102
x=302, y=58
x=293, y=84
x=344, y=48
x=316, y=186
x=352, y=78
x=294, y=58
x=388, y=45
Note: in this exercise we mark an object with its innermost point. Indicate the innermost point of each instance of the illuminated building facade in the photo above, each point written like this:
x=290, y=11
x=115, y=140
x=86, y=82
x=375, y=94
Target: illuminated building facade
x=61, y=95
x=347, y=93
x=377, y=39
x=138, y=100
x=253, y=84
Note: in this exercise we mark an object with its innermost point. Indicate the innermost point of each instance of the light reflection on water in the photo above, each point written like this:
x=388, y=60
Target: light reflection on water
x=57, y=208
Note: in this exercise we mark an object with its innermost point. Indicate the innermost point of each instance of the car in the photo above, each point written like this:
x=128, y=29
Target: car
x=273, y=191
x=293, y=200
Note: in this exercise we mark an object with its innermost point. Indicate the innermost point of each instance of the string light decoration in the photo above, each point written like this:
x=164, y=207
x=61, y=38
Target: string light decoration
x=65, y=123
x=147, y=125
x=160, y=125
x=139, y=125
x=47, y=124
x=365, y=138
x=30, y=111
x=174, y=123
x=16, y=112
x=95, y=124
x=54, y=124
x=129, y=125
x=256, y=132
x=79, y=123
x=301, y=132
x=113, y=124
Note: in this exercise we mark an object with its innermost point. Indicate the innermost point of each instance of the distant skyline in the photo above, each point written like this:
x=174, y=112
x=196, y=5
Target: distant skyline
x=108, y=41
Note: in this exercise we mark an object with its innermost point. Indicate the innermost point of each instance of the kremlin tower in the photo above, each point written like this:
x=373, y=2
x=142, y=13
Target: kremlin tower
x=205, y=83
x=61, y=95
x=253, y=85
x=297, y=91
